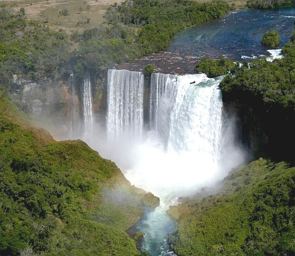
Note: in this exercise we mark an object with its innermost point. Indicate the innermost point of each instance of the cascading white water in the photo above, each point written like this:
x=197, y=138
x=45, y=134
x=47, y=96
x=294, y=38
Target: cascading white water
x=125, y=103
x=196, y=119
x=162, y=98
x=186, y=112
x=73, y=91
x=87, y=108
x=275, y=54
x=75, y=125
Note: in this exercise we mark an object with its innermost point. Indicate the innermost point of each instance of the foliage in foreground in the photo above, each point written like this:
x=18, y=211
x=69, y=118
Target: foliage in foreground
x=253, y=215
x=271, y=39
x=55, y=196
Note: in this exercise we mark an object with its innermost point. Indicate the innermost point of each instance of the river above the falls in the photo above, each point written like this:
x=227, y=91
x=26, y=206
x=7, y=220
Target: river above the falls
x=236, y=36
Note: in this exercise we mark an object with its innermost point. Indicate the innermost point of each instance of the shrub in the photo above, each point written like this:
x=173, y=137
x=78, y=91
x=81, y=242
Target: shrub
x=149, y=69
x=271, y=39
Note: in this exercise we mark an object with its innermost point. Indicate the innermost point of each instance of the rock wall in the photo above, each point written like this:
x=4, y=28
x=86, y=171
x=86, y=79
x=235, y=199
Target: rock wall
x=267, y=131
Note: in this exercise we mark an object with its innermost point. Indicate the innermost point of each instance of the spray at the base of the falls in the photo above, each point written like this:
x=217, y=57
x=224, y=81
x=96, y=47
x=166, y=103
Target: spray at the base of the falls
x=181, y=152
x=125, y=103
x=87, y=109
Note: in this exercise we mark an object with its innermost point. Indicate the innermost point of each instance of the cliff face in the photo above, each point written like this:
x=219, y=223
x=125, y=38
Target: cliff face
x=263, y=98
x=57, y=105
x=61, y=198
x=265, y=131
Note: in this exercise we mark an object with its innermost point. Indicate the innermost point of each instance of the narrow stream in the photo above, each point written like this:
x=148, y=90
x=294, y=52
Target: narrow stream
x=157, y=225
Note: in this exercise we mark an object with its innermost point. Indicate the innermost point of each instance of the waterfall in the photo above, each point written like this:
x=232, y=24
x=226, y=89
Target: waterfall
x=196, y=119
x=75, y=126
x=73, y=92
x=125, y=103
x=186, y=113
x=87, y=108
x=162, y=98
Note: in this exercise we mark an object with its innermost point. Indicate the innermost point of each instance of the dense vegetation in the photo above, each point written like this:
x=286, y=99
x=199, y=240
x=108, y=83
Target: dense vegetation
x=271, y=39
x=29, y=48
x=59, y=198
x=158, y=21
x=254, y=214
x=216, y=67
x=270, y=4
x=264, y=99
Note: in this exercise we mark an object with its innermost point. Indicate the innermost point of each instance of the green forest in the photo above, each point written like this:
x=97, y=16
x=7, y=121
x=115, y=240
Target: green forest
x=253, y=214
x=56, y=196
